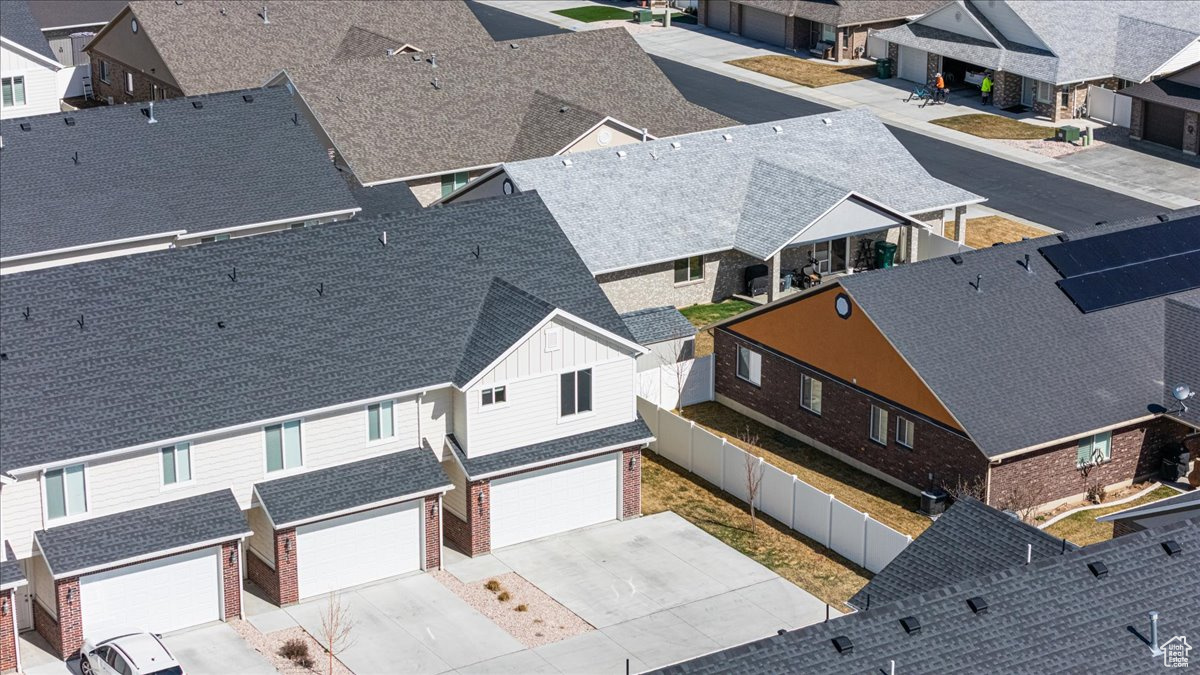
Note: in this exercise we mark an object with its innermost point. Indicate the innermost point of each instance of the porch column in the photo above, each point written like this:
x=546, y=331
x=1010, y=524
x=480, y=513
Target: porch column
x=910, y=234
x=773, y=282
x=960, y=224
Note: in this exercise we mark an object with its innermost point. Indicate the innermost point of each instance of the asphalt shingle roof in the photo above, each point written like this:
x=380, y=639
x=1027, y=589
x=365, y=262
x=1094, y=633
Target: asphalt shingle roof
x=172, y=344
x=969, y=540
x=506, y=315
x=227, y=163
x=112, y=539
x=712, y=195
x=11, y=575
x=1167, y=92
x=1052, y=372
x=343, y=488
x=492, y=103
x=1053, y=615
x=630, y=433
x=658, y=324
x=1187, y=501
x=845, y=12
x=1181, y=343
x=18, y=24
x=61, y=13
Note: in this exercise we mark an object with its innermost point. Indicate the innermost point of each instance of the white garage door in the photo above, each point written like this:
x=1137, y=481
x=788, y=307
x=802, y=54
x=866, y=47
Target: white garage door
x=358, y=549
x=553, y=500
x=764, y=26
x=717, y=16
x=913, y=63
x=158, y=596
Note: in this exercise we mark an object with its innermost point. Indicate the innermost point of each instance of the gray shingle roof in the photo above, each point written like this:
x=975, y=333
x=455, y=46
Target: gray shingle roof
x=387, y=319
x=493, y=102
x=59, y=13
x=969, y=540
x=11, y=575
x=1167, y=92
x=1187, y=501
x=346, y=487
x=110, y=540
x=506, y=315
x=226, y=164
x=628, y=434
x=1051, y=616
x=658, y=324
x=18, y=24
x=1181, y=341
x=1052, y=372
x=845, y=12
x=710, y=194
x=211, y=45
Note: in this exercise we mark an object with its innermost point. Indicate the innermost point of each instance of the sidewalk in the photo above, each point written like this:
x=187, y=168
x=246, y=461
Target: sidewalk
x=1170, y=183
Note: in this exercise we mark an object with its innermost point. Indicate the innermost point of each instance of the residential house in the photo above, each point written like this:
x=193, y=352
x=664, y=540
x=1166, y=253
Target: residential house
x=1167, y=110
x=1109, y=608
x=29, y=73
x=1012, y=369
x=69, y=25
x=1181, y=507
x=260, y=407
x=111, y=181
x=836, y=29
x=691, y=219
x=1045, y=55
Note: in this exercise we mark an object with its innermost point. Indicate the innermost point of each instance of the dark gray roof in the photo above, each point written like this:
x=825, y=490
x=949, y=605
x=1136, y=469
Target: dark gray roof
x=1167, y=92
x=1052, y=616
x=346, y=487
x=506, y=315
x=969, y=540
x=110, y=540
x=846, y=12
x=630, y=433
x=658, y=324
x=18, y=24
x=1051, y=371
x=60, y=13
x=228, y=163
x=1181, y=344
x=386, y=320
x=379, y=200
x=11, y=575
x=1188, y=502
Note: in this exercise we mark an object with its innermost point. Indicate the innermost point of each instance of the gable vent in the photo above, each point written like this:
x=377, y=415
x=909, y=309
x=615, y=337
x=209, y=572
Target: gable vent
x=977, y=604
x=911, y=625
x=1098, y=568
x=843, y=644
x=1171, y=547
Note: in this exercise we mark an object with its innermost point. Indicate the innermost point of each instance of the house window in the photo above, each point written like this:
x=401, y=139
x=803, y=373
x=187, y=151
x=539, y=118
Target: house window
x=575, y=392
x=14, y=91
x=453, y=181
x=381, y=422
x=493, y=396
x=749, y=366
x=810, y=394
x=128, y=83
x=879, y=425
x=283, y=446
x=828, y=33
x=1044, y=92
x=66, y=493
x=176, y=463
x=689, y=269
x=1094, y=450
x=904, y=432
x=105, y=71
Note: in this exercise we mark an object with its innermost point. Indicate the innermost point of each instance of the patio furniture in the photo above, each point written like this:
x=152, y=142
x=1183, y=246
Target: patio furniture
x=756, y=278
x=823, y=50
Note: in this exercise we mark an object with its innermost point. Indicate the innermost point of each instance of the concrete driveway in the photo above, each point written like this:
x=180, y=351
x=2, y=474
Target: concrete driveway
x=216, y=649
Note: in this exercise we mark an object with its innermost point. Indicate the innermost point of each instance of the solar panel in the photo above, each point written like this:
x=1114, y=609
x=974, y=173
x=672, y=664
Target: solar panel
x=1133, y=283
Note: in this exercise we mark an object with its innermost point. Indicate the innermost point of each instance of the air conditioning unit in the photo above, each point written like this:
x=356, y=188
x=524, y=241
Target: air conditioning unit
x=933, y=502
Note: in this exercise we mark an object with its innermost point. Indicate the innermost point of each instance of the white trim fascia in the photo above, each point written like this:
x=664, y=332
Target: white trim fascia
x=597, y=125
x=558, y=460
x=170, y=234
x=224, y=430
x=556, y=312
x=1159, y=70
x=25, y=50
x=804, y=229
x=870, y=202
x=257, y=500
x=150, y=556
x=40, y=551
x=471, y=184
x=268, y=223
x=365, y=507
x=97, y=24
x=453, y=446
x=1059, y=441
x=6, y=479
x=953, y=205
x=660, y=261
x=432, y=175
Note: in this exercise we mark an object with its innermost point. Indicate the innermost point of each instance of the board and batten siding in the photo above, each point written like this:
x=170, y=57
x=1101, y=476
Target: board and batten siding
x=41, y=85
x=578, y=347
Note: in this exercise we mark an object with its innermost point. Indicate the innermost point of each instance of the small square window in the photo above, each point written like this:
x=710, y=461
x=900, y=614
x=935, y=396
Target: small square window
x=66, y=492
x=749, y=366
x=283, y=446
x=904, y=432
x=1093, y=450
x=689, y=269
x=176, y=463
x=879, y=421
x=453, y=181
x=381, y=421
x=14, y=91
x=105, y=71
x=810, y=394
x=493, y=395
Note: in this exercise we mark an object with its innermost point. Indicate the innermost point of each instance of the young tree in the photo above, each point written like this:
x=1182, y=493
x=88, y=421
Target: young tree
x=336, y=627
x=754, y=473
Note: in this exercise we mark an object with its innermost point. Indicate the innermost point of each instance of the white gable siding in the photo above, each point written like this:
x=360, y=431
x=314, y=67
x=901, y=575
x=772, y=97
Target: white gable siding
x=578, y=346
x=1008, y=23
x=43, y=584
x=460, y=417
x=612, y=135
x=262, y=542
x=956, y=19
x=455, y=500
x=41, y=84
x=21, y=513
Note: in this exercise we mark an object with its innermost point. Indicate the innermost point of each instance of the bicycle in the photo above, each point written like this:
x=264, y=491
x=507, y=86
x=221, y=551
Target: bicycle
x=921, y=92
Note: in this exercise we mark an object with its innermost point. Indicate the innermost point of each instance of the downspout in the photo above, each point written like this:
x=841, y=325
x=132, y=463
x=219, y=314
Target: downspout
x=420, y=438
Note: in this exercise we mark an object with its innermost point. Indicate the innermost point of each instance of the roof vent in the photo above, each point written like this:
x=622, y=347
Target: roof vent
x=264, y=16
x=911, y=624
x=1063, y=236
x=777, y=129
x=150, y=114
x=978, y=283
x=675, y=145
x=220, y=324
x=622, y=154
x=728, y=137
x=383, y=237
x=416, y=57
x=1101, y=223
x=436, y=85
x=26, y=126
x=76, y=157
x=248, y=98
x=3, y=356
x=433, y=60
x=564, y=109
x=566, y=162
x=1162, y=217
x=1098, y=568
x=826, y=121
x=956, y=259
x=513, y=45
x=843, y=644
x=977, y=604
x=1028, y=267
x=1171, y=547
x=197, y=104
x=653, y=155
x=70, y=121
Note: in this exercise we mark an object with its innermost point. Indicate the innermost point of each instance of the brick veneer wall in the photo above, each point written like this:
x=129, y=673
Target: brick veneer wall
x=433, y=534
x=1191, y=132
x=654, y=285
x=845, y=419
x=8, y=632
x=631, y=483
x=231, y=578
x=894, y=57
x=116, y=86
x=263, y=574
x=288, y=588
x=1006, y=89
x=1137, y=116
x=1124, y=527
x=65, y=634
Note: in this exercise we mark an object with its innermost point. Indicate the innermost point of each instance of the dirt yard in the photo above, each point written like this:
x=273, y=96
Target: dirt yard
x=984, y=231
x=804, y=72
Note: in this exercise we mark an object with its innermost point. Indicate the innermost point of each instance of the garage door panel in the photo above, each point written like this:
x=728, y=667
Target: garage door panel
x=764, y=26
x=159, y=596
x=358, y=548
x=718, y=14
x=557, y=499
x=1163, y=124
x=913, y=64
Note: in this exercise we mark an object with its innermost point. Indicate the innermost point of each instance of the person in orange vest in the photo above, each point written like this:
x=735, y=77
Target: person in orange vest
x=939, y=88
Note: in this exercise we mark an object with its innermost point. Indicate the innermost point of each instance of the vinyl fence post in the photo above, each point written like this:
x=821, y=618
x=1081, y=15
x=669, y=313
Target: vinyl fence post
x=761, y=471
x=829, y=527
x=866, y=540
x=724, y=449
x=792, y=523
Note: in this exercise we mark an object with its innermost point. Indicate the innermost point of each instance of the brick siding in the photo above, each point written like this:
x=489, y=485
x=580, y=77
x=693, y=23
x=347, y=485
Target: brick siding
x=288, y=590
x=894, y=57
x=65, y=634
x=262, y=574
x=115, y=87
x=8, y=631
x=433, y=535
x=1137, y=115
x=231, y=578
x=1006, y=89
x=631, y=483
x=1191, y=132
x=1124, y=527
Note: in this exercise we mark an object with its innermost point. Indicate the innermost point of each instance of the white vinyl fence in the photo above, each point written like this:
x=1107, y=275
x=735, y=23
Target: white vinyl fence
x=815, y=514
x=1108, y=106
x=661, y=385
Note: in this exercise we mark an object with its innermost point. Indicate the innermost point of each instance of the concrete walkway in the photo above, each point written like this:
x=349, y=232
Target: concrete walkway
x=1133, y=173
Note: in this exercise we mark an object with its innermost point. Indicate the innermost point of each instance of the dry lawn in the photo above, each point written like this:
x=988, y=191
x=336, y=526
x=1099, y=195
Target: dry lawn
x=804, y=562
x=804, y=72
x=984, y=231
x=1082, y=529
x=703, y=315
x=984, y=125
x=884, y=502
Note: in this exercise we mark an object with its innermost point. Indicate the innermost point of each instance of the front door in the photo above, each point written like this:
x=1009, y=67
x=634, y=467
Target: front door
x=24, y=600
x=1028, y=87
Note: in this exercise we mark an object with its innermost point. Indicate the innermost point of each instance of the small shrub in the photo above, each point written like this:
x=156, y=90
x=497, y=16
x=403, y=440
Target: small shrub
x=304, y=662
x=522, y=608
x=296, y=651
x=503, y=597
x=1096, y=493
x=492, y=585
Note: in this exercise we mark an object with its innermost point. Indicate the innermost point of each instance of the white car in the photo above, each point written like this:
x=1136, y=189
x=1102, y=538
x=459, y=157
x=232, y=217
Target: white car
x=132, y=654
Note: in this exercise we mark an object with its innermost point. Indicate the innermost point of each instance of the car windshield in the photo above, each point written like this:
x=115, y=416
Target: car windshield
x=173, y=670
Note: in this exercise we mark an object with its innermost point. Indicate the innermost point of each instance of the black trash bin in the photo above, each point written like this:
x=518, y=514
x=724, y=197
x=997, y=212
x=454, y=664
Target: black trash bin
x=883, y=67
